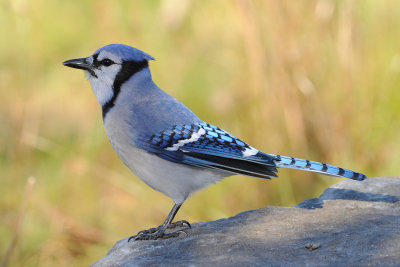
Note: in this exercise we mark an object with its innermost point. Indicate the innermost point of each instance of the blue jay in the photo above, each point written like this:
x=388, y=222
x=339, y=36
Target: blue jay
x=164, y=143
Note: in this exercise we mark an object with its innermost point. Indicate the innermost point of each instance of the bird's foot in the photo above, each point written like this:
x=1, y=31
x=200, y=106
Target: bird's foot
x=158, y=232
x=170, y=226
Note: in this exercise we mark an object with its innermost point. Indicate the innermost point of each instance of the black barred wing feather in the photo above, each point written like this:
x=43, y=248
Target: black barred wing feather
x=207, y=146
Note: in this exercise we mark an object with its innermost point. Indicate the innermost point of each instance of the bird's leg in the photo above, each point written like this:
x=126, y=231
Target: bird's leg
x=159, y=232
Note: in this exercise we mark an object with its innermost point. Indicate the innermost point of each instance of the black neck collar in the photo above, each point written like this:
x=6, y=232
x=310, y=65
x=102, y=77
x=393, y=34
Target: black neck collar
x=129, y=68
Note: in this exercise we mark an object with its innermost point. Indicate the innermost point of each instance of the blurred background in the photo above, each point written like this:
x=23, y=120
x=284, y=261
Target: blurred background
x=312, y=79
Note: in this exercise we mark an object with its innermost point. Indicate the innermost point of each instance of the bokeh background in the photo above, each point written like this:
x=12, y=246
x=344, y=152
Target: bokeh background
x=313, y=79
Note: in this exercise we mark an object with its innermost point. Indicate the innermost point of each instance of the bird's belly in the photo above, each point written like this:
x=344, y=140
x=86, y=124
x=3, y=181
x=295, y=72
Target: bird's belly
x=172, y=179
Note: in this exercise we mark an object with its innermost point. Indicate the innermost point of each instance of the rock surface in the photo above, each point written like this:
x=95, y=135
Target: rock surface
x=351, y=223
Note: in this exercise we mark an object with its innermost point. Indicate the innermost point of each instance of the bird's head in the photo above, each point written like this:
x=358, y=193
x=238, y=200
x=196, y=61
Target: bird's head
x=109, y=67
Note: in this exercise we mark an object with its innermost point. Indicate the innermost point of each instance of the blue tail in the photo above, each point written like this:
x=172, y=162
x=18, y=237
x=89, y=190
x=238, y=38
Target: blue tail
x=308, y=165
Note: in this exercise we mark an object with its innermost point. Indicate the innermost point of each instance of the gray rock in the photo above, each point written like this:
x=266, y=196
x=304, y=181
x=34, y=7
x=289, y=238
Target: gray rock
x=351, y=223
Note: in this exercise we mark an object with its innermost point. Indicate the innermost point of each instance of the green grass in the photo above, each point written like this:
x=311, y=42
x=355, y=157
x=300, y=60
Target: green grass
x=312, y=79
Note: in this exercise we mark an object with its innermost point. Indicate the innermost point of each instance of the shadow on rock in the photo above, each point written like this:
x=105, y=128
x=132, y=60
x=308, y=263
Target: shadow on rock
x=345, y=194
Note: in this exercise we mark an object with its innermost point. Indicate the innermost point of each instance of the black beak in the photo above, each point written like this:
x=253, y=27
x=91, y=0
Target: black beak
x=79, y=63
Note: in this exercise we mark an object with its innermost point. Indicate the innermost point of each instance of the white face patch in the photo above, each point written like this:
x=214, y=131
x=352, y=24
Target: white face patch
x=195, y=136
x=103, y=84
x=249, y=152
x=105, y=54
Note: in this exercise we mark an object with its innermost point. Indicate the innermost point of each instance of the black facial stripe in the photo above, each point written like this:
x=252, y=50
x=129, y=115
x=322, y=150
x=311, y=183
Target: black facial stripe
x=92, y=73
x=96, y=63
x=128, y=68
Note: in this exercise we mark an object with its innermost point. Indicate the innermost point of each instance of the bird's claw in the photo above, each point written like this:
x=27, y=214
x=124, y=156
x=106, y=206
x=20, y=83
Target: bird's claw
x=157, y=232
x=179, y=224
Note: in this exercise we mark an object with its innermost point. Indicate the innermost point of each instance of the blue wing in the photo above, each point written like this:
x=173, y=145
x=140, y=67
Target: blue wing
x=207, y=146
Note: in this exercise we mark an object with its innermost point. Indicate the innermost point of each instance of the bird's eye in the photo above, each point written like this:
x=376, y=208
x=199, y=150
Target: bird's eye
x=107, y=62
